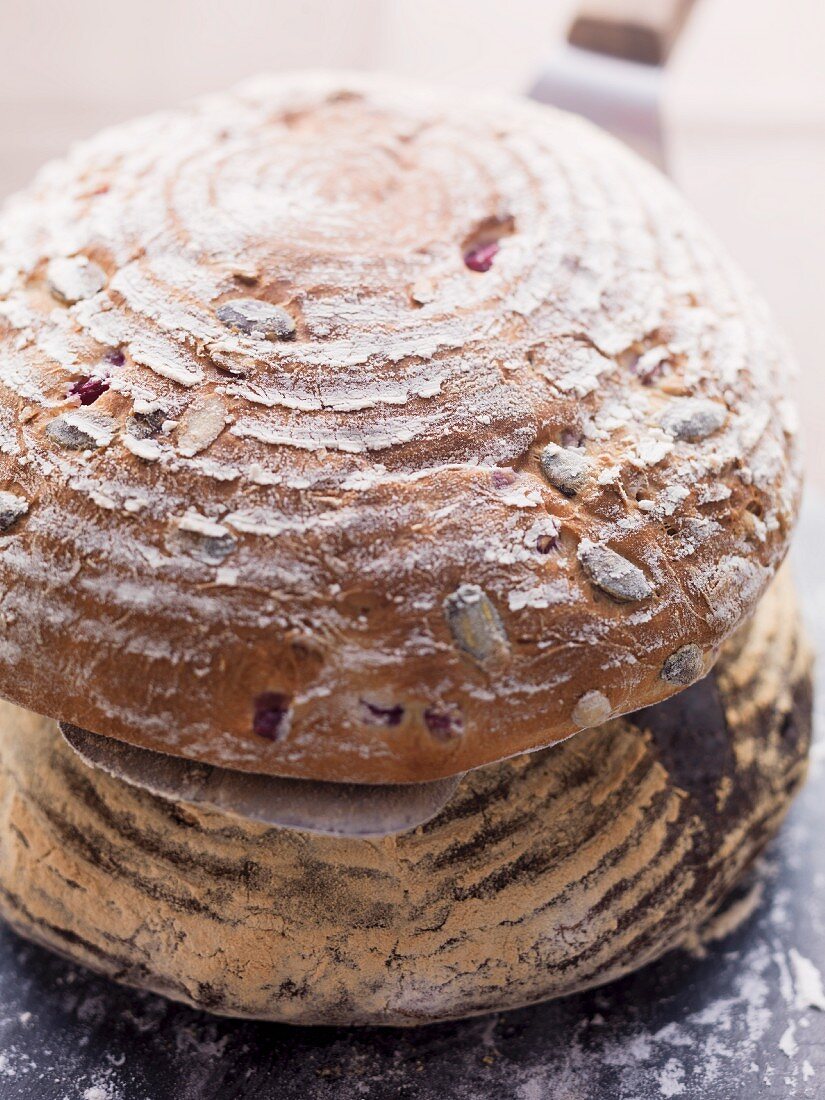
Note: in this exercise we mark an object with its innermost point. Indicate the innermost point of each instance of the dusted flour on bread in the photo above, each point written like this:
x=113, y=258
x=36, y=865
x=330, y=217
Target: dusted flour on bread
x=285, y=370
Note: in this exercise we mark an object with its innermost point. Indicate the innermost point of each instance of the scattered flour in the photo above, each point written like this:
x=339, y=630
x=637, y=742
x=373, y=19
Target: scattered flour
x=808, y=980
x=98, y=1092
x=672, y=1079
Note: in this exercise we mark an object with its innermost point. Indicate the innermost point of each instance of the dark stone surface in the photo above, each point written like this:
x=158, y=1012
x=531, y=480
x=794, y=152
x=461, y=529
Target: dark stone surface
x=744, y=1016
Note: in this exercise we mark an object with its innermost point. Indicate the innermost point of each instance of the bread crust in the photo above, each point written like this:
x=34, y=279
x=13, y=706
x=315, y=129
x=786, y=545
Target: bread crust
x=501, y=432
x=545, y=874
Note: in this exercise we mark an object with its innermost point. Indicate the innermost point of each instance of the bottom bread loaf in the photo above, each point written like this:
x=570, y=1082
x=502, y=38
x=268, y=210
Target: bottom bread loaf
x=544, y=874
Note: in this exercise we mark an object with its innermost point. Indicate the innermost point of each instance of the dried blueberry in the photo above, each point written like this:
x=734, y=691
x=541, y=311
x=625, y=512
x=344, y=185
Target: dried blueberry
x=374, y=715
x=444, y=723
x=480, y=257
x=270, y=719
x=89, y=389
x=503, y=478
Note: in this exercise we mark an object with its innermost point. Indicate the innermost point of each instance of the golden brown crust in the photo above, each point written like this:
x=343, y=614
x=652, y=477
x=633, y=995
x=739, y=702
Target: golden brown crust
x=501, y=431
x=545, y=874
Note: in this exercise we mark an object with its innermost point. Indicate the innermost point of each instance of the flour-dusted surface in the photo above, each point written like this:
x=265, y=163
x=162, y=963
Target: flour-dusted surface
x=284, y=371
x=739, y=1018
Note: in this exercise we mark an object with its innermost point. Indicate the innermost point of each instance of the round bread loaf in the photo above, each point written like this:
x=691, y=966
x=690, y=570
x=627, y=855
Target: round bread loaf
x=361, y=431
x=545, y=874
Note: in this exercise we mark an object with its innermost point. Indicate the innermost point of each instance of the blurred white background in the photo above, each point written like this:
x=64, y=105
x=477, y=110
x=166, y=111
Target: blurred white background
x=745, y=101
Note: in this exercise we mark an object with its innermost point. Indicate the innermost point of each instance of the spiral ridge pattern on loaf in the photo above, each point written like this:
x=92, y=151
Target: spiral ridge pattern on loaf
x=501, y=431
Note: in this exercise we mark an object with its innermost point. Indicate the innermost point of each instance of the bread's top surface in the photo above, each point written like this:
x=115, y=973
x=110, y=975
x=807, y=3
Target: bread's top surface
x=361, y=431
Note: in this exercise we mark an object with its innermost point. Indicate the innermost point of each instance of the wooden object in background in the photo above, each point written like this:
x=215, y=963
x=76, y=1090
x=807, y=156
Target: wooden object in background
x=635, y=30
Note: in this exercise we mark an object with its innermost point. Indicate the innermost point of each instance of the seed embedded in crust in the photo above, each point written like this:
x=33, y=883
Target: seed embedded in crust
x=68, y=435
x=565, y=468
x=614, y=574
x=474, y=623
x=444, y=723
x=480, y=257
x=201, y=424
x=270, y=718
x=260, y=320
x=423, y=292
x=685, y=666
x=210, y=551
x=94, y=430
x=144, y=425
x=72, y=279
x=12, y=508
x=690, y=419
x=592, y=709
x=207, y=542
